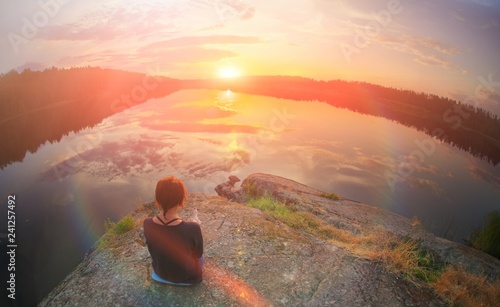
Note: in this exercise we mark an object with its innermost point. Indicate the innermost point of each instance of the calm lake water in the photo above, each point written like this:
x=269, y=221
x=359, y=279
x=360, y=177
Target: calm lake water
x=67, y=189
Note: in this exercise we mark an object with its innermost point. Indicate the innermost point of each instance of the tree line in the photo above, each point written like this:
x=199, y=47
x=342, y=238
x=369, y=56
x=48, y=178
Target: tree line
x=42, y=106
x=469, y=128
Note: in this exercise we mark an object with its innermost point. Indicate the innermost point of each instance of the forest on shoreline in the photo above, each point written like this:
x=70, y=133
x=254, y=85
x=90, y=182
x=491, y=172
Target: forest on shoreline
x=469, y=128
x=42, y=106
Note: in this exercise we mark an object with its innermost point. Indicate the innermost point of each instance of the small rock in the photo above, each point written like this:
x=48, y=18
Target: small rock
x=229, y=191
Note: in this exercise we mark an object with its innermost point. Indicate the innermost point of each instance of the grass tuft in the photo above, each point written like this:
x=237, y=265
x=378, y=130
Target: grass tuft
x=113, y=230
x=458, y=287
x=304, y=221
x=487, y=238
x=405, y=257
x=415, y=222
x=331, y=196
x=124, y=225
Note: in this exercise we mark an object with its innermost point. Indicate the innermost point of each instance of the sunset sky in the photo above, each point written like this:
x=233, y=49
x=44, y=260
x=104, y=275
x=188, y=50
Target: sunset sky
x=449, y=47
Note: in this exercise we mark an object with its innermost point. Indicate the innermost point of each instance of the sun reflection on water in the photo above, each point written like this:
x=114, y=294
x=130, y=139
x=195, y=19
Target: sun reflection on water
x=225, y=100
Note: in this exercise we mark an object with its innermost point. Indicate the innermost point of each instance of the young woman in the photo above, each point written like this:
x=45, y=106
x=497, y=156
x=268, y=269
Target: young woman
x=176, y=246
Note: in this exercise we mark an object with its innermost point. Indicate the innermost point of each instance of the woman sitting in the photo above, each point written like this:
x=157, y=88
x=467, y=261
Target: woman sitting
x=176, y=246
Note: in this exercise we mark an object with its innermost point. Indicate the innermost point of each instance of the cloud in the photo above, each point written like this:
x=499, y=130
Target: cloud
x=483, y=97
x=225, y=162
x=415, y=164
x=211, y=141
x=321, y=142
x=432, y=44
x=200, y=41
x=432, y=60
x=493, y=104
x=426, y=50
x=327, y=164
x=62, y=199
x=428, y=185
x=478, y=14
x=103, y=23
x=112, y=160
x=120, y=21
x=30, y=65
x=488, y=3
x=481, y=173
x=229, y=10
x=193, y=113
x=190, y=55
x=142, y=155
x=196, y=119
x=167, y=59
x=456, y=15
x=201, y=127
x=104, y=59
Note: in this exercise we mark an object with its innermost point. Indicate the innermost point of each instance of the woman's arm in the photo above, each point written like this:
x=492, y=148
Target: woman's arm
x=198, y=241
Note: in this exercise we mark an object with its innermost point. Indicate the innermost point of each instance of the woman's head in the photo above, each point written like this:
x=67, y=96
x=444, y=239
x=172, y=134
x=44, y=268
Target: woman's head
x=170, y=192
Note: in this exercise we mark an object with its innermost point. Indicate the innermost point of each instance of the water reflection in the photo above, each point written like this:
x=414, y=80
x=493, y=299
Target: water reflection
x=67, y=189
x=321, y=146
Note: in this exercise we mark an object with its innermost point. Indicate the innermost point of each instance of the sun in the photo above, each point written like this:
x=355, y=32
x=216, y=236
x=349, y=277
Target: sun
x=228, y=72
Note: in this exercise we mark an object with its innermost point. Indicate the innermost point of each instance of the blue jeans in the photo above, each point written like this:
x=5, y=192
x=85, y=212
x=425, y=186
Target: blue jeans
x=159, y=279
x=202, y=262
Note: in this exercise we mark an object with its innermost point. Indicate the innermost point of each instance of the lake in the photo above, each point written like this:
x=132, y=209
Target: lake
x=66, y=189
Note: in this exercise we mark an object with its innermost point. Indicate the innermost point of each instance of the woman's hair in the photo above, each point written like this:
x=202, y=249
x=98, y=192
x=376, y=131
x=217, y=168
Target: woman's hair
x=170, y=192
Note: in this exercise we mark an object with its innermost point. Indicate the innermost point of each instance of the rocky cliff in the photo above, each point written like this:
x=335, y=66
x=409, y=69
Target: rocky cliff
x=254, y=259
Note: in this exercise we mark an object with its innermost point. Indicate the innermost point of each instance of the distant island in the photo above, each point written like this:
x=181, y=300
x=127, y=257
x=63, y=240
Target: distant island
x=41, y=106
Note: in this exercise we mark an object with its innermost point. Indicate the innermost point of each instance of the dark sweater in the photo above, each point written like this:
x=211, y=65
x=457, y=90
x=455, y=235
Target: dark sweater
x=175, y=250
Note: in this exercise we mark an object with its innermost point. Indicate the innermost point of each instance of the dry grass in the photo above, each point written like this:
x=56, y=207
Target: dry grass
x=141, y=208
x=405, y=257
x=399, y=255
x=415, y=222
x=331, y=196
x=364, y=245
x=304, y=221
x=464, y=289
x=336, y=234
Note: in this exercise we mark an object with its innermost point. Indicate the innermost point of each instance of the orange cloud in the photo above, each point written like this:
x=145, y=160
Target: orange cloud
x=200, y=127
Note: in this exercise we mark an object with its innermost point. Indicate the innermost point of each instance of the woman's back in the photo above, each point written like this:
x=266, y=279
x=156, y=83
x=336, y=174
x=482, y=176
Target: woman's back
x=175, y=250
